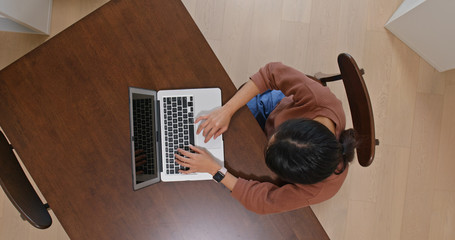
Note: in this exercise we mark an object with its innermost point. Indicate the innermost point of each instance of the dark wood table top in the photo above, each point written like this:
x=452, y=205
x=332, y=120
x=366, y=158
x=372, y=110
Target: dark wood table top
x=64, y=107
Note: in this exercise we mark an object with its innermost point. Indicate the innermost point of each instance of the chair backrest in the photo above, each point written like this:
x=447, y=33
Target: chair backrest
x=359, y=104
x=19, y=189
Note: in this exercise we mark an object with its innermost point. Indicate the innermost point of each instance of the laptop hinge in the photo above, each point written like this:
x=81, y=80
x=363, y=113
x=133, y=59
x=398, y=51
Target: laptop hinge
x=158, y=136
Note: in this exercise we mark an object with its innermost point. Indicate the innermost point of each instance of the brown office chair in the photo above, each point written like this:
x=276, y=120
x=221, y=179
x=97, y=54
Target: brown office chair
x=19, y=190
x=359, y=103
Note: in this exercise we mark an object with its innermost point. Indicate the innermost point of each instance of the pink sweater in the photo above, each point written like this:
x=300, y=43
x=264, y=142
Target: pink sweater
x=305, y=98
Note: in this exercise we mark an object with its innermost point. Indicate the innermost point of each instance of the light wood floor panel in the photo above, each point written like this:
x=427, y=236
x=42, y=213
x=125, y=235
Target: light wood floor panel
x=235, y=44
x=378, y=66
x=407, y=193
x=293, y=42
x=323, y=35
x=402, y=92
x=333, y=214
x=352, y=28
x=296, y=11
x=445, y=178
x=391, y=192
x=376, y=189
x=430, y=80
x=67, y=12
x=443, y=216
x=379, y=12
x=209, y=22
x=422, y=167
x=265, y=33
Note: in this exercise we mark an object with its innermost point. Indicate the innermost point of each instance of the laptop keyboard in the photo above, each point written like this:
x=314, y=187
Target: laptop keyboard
x=143, y=126
x=178, y=129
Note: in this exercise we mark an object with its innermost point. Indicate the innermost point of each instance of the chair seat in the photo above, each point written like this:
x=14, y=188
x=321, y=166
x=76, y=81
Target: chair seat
x=19, y=190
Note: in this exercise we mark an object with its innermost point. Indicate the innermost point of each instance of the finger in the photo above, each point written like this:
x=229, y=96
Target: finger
x=221, y=131
x=201, y=118
x=187, y=154
x=196, y=149
x=181, y=158
x=208, y=130
x=202, y=125
x=137, y=152
x=182, y=163
x=208, y=136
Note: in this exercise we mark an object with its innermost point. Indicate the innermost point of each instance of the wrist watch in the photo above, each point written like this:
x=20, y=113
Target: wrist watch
x=220, y=174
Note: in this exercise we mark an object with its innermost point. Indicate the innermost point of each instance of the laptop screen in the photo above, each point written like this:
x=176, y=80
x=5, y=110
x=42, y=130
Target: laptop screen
x=143, y=119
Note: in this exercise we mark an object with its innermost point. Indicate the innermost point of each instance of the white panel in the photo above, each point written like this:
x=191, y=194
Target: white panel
x=428, y=28
x=11, y=26
x=32, y=14
x=406, y=6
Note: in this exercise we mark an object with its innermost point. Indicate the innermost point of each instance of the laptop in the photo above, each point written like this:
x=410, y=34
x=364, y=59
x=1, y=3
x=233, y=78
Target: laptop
x=161, y=122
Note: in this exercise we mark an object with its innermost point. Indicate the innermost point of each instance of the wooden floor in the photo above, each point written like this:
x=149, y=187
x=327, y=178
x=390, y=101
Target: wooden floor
x=407, y=193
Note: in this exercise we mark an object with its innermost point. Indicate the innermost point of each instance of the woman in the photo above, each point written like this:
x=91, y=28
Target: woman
x=308, y=145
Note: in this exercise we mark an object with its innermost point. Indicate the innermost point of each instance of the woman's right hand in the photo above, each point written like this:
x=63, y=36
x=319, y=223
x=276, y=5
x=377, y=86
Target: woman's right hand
x=215, y=123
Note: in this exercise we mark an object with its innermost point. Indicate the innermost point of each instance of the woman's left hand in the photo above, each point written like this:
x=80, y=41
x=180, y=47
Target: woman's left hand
x=200, y=161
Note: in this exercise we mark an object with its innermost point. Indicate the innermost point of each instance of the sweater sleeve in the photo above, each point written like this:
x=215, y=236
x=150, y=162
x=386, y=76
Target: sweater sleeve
x=265, y=197
x=290, y=81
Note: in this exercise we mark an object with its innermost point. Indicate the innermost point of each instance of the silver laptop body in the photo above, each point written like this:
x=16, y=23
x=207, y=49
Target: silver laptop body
x=161, y=122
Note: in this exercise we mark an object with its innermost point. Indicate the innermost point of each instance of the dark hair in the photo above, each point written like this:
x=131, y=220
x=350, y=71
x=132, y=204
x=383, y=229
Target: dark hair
x=305, y=151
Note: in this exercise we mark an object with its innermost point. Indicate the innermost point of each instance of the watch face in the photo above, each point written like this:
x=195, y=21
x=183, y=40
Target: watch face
x=218, y=176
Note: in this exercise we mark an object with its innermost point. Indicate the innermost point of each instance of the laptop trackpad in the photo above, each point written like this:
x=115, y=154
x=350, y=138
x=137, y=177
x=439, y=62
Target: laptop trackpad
x=199, y=138
x=211, y=144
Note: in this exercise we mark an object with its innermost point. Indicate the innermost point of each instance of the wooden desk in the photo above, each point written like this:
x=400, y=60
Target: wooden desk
x=64, y=106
